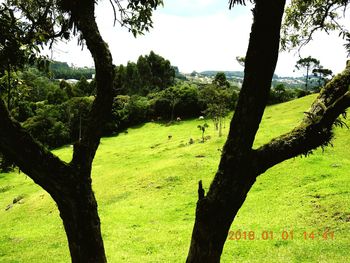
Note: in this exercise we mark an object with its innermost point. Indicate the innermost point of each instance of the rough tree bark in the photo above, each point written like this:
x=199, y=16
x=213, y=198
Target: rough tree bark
x=70, y=184
x=240, y=164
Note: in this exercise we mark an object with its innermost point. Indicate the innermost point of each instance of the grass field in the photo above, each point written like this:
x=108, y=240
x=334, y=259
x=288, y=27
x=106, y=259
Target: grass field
x=146, y=187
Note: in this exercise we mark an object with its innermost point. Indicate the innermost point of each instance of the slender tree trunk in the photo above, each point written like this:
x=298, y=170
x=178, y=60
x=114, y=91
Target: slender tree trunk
x=235, y=176
x=307, y=78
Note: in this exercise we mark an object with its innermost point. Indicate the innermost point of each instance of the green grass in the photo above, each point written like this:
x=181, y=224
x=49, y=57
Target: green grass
x=146, y=187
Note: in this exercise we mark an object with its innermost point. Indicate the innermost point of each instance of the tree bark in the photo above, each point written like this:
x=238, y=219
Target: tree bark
x=315, y=129
x=70, y=184
x=79, y=213
x=240, y=164
x=216, y=211
x=78, y=210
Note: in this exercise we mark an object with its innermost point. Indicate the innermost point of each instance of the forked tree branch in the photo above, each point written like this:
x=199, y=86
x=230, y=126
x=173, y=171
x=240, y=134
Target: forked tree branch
x=314, y=131
x=85, y=150
x=41, y=165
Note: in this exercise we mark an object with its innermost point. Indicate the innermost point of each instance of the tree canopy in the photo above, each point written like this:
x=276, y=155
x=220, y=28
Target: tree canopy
x=303, y=18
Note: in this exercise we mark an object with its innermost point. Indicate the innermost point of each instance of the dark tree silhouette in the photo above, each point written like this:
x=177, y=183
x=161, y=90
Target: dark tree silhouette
x=240, y=164
x=309, y=63
x=69, y=184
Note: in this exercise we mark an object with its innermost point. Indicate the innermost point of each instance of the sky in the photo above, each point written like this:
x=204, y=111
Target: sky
x=196, y=35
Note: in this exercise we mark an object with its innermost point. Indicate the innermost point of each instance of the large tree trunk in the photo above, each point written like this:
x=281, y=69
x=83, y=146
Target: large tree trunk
x=70, y=184
x=240, y=164
x=78, y=210
x=235, y=176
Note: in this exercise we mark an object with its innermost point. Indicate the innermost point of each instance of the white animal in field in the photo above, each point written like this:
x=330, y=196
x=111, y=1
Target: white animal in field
x=201, y=118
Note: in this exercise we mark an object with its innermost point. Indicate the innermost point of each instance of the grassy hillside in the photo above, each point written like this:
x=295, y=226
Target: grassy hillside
x=146, y=185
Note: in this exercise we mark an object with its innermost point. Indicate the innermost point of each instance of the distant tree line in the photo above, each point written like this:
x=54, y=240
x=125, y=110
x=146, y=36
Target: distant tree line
x=61, y=70
x=55, y=112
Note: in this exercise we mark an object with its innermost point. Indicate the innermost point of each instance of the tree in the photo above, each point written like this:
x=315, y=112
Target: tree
x=322, y=74
x=145, y=73
x=220, y=80
x=217, y=103
x=309, y=64
x=218, y=98
x=84, y=86
x=202, y=128
x=151, y=73
x=162, y=71
x=240, y=164
x=70, y=184
x=304, y=18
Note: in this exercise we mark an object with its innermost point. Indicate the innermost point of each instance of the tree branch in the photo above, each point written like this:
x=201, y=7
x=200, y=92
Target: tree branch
x=44, y=168
x=85, y=150
x=315, y=129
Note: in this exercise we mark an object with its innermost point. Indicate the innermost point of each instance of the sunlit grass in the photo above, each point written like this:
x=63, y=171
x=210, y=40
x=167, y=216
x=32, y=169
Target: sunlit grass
x=146, y=187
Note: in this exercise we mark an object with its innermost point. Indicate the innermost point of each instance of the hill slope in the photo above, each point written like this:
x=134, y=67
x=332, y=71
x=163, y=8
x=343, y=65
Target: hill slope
x=145, y=185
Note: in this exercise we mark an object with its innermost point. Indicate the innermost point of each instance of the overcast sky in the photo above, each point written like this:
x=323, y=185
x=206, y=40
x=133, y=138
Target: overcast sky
x=196, y=35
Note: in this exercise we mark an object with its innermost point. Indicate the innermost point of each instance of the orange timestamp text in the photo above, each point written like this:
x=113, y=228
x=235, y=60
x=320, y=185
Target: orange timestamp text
x=281, y=235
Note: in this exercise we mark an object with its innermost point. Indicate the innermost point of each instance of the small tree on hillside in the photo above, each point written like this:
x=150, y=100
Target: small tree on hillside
x=217, y=103
x=220, y=80
x=309, y=63
x=202, y=128
x=322, y=74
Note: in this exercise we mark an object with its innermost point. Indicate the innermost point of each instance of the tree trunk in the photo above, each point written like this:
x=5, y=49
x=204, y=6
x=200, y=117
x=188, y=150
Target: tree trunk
x=235, y=176
x=307, y=77
x=70, y=184
x=78, y=211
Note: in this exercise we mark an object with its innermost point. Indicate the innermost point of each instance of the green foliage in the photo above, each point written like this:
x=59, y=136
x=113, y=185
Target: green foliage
x=15, y=49
x=84, y=87
x=309, y=63
x=217, y=101
x=127, y=111
x=137, y=15
x=181, y=100
x=74, y=114
x=303, y=18
x=61, y=70
x=322, y=75
x=57, y=96
x=151, y=73
x=23, y=111
x=220, y=80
